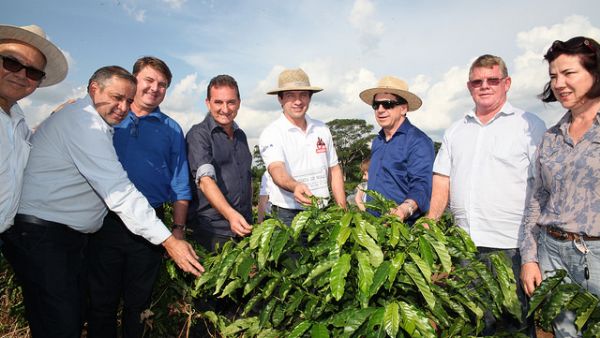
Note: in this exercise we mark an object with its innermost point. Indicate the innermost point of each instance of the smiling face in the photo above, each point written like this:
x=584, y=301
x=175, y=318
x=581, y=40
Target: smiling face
x=223, y=105
x=295, y=103
x=151, y=89
x=570, y=81
x=16, y=85
x=389, y=119
x=112, y=102
x=489, y=96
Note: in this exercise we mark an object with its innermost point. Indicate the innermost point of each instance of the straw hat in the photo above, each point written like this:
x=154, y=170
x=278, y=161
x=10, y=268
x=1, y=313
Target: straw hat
x=392, y=85
x=294, y=79
x=56, y=63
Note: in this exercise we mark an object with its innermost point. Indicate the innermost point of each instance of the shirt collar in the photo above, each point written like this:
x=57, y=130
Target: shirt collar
x=506, y=110
x=212, y=124
x=285, y=123
x=88, y=105
x=564, y=122
x=403, y=129
x=156, y=113
x=15, y=111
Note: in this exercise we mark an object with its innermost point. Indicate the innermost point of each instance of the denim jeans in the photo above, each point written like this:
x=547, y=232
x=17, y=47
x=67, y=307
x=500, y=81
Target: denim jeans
x=284, y=215
x=555, y=254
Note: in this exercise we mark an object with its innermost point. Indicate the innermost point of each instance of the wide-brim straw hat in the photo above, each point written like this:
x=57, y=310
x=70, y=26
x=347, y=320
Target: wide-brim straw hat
x=294, y=79
x=56, y=63
x=392, y=85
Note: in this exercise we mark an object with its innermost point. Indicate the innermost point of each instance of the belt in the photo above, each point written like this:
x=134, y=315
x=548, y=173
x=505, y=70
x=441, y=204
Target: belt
x=562, y=235
x=276, y=207
x=38, y=221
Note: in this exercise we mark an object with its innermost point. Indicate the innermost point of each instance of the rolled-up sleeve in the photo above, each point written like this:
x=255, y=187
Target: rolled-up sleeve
x=180, y=182
x=200, y=153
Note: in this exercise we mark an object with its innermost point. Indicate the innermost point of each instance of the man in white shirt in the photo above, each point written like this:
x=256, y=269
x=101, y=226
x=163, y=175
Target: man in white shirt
x=298, y=151
x=484, y=169
x=72, y=176
x=28, y=61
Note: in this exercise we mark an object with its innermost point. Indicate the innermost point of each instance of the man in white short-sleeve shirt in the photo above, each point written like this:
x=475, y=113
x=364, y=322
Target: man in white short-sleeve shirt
x=484, y=169
x=298, y=151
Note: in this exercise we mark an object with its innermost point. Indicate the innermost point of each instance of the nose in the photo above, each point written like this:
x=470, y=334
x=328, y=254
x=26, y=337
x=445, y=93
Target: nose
x=558, y=81
x=225, y=108
x=124, y=106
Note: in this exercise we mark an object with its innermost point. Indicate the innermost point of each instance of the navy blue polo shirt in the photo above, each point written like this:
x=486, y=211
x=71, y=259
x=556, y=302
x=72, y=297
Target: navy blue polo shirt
x=209, y=147
x=402, y=167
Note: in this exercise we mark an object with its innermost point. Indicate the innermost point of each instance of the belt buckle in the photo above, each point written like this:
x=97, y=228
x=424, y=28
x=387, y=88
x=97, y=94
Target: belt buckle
x=563, y=235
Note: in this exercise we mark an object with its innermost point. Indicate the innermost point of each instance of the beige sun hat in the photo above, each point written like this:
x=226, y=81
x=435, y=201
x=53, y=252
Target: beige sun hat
x=294, y=79
x=56, y=63
x=392, y=85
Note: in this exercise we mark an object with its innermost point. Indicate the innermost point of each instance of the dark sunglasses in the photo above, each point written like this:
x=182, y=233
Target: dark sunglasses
x=13, y=65
x=492, y=81
x=385, y=104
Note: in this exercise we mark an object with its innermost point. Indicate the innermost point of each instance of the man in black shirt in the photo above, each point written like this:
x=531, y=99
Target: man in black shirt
x=220, y=162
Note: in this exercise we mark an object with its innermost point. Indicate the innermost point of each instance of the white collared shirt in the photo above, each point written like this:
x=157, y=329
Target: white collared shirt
x=491, y=170
x=74, y=174
x=307, y=157
x=14, y=151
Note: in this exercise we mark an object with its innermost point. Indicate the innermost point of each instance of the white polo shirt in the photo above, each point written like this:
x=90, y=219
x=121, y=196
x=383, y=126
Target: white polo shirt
x=491, y=170
x=14, y=151
x=307, y=157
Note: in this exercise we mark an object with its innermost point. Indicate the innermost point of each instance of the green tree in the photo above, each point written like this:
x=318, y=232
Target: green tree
x=352, y=139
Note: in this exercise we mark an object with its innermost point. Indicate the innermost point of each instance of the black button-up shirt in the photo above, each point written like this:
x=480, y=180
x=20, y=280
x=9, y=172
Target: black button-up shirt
x=228, y=162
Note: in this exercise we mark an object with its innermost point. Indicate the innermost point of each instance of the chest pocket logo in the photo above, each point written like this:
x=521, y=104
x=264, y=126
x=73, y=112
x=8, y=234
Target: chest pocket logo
x=321, y=146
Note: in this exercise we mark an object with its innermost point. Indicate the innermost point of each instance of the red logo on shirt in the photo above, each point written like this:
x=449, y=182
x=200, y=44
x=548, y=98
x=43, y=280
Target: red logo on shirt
x=321, y=147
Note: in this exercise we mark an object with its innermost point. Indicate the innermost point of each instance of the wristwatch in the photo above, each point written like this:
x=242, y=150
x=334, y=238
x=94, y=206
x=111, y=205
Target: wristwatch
x=179, y=226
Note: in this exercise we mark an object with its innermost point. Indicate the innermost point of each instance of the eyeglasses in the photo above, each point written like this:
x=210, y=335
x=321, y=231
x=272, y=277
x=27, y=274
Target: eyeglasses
x=492, y=81
x=385, y=104
x=573, y=45
x=13, y=65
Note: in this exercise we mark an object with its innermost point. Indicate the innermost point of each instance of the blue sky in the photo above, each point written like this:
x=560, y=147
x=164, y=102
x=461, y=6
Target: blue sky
x=344, y=46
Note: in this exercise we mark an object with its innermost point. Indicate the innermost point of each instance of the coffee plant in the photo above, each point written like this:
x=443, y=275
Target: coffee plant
x=339, y=273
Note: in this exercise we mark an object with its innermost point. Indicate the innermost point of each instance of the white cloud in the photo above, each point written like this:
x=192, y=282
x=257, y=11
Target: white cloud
x=363, y=19
x=185, y=101
x=175, y=4
x=130, y=8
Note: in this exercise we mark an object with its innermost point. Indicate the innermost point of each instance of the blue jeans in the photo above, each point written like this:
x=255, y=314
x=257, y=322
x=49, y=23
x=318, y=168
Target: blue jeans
x=284, y=215
x=555, y=254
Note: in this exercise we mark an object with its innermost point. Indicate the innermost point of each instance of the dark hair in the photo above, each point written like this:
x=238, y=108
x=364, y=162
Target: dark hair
x=364, y=164
x=588, y=52
x=104, y=74
x=399, y=98
x=155, y=63
x=489, y=61
x=220, y=81
x=280, y=94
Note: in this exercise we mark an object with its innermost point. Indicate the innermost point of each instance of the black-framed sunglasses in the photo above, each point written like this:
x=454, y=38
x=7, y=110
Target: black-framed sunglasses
x=492, y=81
x=13, y=66
x=386, y=104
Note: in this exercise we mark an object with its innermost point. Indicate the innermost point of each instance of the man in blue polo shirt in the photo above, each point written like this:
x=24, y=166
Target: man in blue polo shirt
x=401, y=155
x=151, y=147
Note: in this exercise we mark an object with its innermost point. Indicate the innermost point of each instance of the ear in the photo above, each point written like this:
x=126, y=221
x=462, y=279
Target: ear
x=94, y=87
x=507, y=83
x=207, y=102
